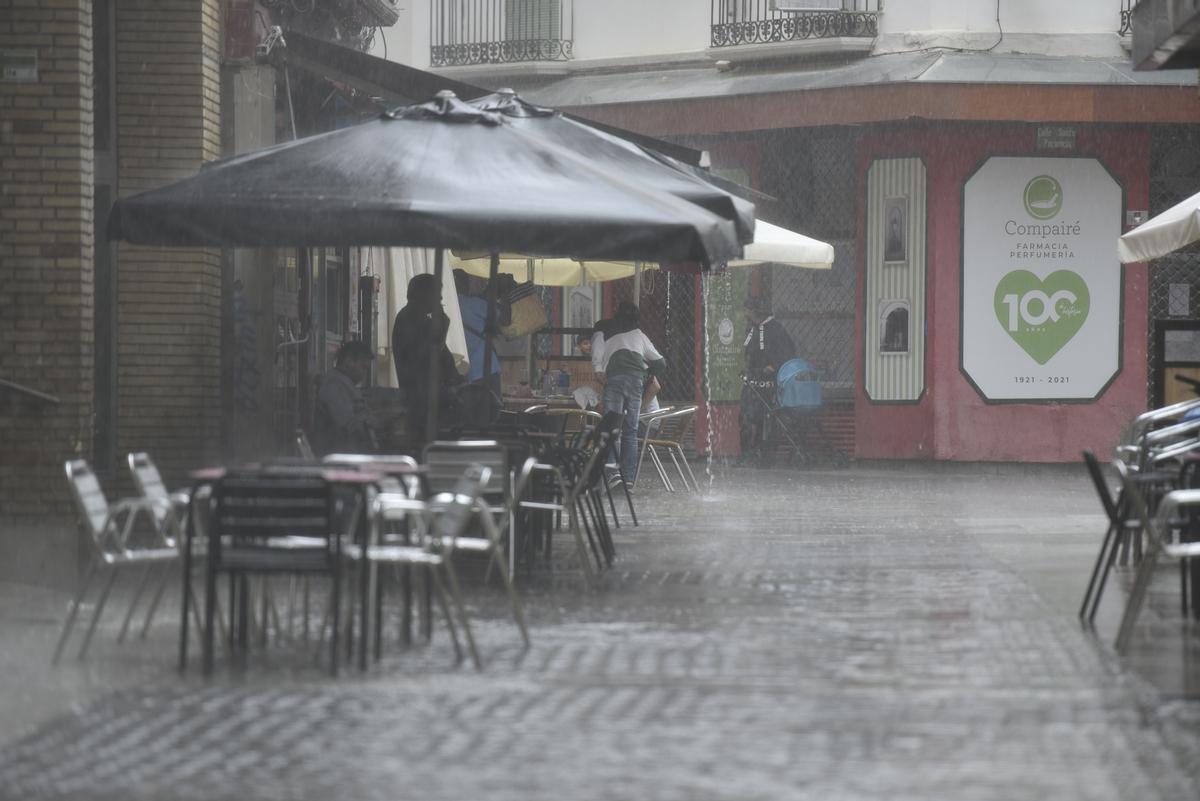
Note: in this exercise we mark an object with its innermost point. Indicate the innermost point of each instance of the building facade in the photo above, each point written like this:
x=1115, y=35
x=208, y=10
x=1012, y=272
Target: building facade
x=192, y=355
x=972, y=162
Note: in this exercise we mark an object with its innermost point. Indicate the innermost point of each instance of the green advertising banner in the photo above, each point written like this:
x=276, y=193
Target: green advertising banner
x=725, y=318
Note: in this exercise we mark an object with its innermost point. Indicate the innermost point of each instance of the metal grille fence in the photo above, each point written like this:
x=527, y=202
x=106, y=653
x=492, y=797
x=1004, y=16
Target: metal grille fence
x=814, y=174
x=742, y=22
x=466, y=32
x=1174, y=176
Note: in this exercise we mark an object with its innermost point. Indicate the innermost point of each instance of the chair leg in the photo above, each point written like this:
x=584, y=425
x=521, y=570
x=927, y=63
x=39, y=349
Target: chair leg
x=155, y=601
x=1099, y=566
x=1137, y=595
x=629, y=501
x=580, y=546
x=335, y=603
x=73, y=612
x=683, y=460
x=456, y=597
x=513, y=600
x=611, y=504
x=661, y=468
x=87, y=639
x=582, y=515
x=432, y=580
x=594, y=535
x=1114, y=548
x=133, y=602
x=210, y=610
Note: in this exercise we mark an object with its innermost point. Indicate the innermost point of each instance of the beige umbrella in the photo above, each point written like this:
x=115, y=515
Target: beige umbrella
x=772, y=244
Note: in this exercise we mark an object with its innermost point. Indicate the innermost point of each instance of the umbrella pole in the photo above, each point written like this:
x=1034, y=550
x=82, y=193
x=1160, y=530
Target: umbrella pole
x=435, y=353
x=490, y=323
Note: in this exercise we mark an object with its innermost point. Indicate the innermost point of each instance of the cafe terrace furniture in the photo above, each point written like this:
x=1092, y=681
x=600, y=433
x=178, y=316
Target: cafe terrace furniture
x=116, y=544
x=1158, y=530
x=272, y=521
x=667, y=440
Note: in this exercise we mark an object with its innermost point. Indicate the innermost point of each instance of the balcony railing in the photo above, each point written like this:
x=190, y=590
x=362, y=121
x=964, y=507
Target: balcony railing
x=1126, y=10
x=468, y=32
x=743, y=22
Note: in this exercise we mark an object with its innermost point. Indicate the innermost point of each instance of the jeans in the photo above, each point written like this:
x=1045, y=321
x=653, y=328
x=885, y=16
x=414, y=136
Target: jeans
x=623, y=393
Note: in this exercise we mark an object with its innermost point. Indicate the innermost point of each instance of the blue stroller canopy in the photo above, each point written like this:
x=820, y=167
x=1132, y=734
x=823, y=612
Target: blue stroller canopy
x=798, y=385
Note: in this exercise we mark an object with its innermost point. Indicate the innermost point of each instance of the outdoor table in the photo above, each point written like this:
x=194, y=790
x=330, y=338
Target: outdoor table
x=204, y=478
x=552, y=401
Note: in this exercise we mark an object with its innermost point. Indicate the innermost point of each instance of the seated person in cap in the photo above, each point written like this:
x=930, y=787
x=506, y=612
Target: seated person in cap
x=341, y=423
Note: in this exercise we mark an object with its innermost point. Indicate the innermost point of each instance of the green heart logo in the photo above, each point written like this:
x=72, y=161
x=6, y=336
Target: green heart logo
x=1042, y=316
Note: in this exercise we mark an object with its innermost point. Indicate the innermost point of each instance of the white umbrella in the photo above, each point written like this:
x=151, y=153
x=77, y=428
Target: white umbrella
x=781, y=246
x=1175, y=228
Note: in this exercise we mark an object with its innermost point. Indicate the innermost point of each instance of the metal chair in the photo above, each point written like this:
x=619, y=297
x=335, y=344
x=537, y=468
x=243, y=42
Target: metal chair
x=271, y=521
x=673, y=428
x=1157, y=531
x=1121, y=528
x=113, y=536
x=149, y=484
x=446, y=460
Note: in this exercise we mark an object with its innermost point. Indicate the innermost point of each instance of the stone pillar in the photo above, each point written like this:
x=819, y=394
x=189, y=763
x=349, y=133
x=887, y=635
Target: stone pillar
x=46, y=280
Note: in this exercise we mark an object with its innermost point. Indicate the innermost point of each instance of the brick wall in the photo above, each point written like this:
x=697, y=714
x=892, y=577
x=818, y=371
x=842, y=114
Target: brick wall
x=168, y=118
x=46, y=248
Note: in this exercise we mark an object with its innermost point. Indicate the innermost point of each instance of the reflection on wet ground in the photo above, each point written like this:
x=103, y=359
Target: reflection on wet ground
x=902, y=632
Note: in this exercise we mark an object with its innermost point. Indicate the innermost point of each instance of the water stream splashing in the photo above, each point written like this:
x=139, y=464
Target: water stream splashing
x=710, y=427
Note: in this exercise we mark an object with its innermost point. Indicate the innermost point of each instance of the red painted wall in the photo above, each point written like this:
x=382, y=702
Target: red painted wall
x=952, y=421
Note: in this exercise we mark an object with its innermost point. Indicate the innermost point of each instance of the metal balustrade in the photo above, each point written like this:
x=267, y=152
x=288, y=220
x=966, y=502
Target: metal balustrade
x=743, y=22
x=470, y=32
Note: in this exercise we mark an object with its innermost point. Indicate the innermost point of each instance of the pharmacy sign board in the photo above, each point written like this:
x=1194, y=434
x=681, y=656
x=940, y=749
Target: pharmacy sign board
x=1041, y=284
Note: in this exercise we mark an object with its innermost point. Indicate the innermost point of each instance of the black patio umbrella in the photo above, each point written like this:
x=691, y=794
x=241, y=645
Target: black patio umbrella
x=603, y=149
x=442, y=174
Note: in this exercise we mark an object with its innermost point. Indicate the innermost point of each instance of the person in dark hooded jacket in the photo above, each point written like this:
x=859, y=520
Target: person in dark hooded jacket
x=768, y=345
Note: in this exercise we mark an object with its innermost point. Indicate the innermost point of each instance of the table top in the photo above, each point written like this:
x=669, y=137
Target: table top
x=337, y=474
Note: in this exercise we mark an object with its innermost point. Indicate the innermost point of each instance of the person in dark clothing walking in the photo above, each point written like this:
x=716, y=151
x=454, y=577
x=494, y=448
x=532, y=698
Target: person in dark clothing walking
x=417, y=326
x=768, y=345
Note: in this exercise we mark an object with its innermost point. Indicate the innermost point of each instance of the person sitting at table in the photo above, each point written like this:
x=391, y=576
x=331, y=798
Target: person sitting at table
x=418, y=326
x=341, y=422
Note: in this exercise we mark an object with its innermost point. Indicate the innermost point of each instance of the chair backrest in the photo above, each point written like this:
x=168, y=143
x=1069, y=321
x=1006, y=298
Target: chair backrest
x=1145, y=421
x=146, y=477
x=252, y=507
x=458, y=513
x=673, y=426
x=1133, y=496
x=89, y=497
x=445, y=463
x=1101, y=484
x=303, y=447
x=411, y=482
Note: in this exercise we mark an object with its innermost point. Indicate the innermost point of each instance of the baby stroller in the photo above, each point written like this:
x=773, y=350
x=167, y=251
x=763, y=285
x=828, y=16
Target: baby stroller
x=791, y=409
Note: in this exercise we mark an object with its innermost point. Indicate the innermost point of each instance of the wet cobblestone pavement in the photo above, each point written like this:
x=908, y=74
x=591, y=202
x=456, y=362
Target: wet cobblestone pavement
x=857, y=634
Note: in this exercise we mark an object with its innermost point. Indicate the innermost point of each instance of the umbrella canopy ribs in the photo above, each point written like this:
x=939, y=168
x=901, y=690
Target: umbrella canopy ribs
x=442, y=174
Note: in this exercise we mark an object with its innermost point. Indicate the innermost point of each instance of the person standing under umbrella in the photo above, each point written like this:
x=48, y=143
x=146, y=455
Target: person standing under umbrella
x=768, y=345
x=417, y=325
x=628, y=356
